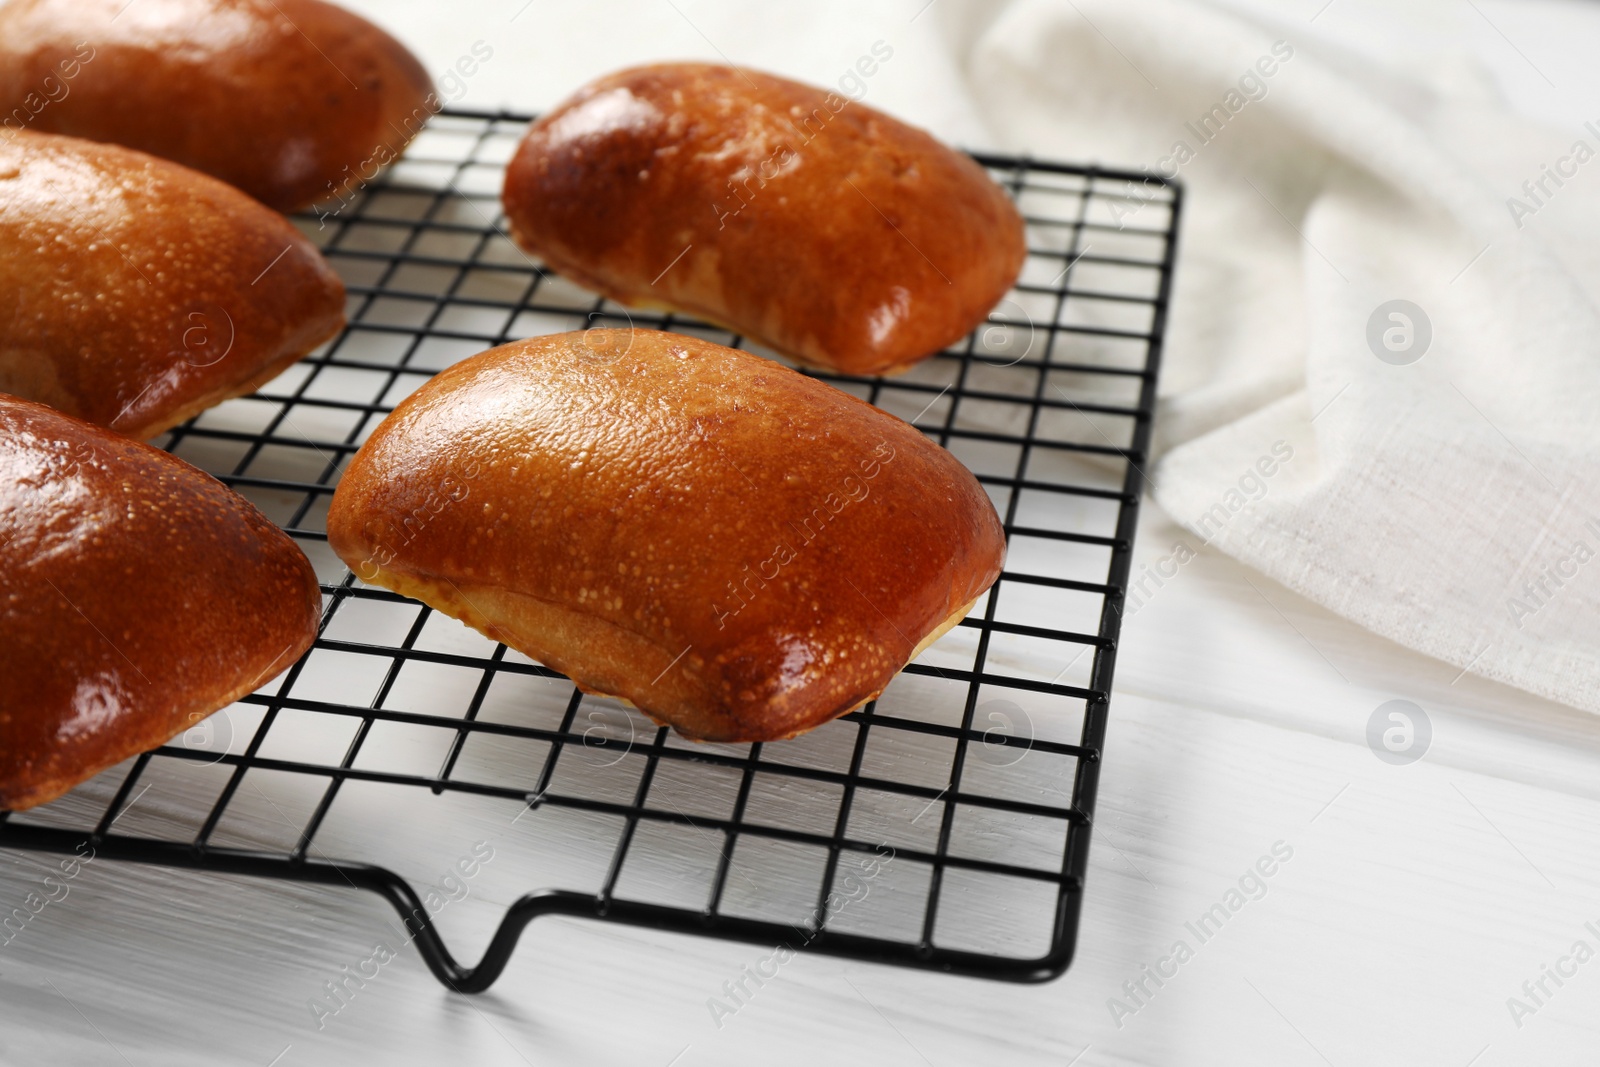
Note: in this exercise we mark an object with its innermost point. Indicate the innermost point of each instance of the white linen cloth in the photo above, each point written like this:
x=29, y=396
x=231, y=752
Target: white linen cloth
x=1451, y=504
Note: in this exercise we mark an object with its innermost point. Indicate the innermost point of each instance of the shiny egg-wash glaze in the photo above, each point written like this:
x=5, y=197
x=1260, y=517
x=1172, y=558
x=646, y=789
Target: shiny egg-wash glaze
x=285, y=99
x=138, y=293
x=820, y=227
x=740, y=551
x=137, y=596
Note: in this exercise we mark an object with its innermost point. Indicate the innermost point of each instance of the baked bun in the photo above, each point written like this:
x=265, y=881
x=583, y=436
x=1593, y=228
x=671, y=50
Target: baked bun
x=138, y=293
x=740, y=551
x=140, y=596
x=819, y=227
x=289, y=100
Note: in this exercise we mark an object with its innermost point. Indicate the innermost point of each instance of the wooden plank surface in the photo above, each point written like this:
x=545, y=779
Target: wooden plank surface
x=1417, y=900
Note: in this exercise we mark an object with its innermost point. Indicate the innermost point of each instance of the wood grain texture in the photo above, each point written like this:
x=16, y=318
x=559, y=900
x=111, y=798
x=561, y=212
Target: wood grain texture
x=1393, y=936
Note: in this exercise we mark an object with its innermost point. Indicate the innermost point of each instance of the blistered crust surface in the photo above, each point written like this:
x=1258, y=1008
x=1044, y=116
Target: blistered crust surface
x=138, y=292
x=758, y=551
x=818, y=226
x=137, y=595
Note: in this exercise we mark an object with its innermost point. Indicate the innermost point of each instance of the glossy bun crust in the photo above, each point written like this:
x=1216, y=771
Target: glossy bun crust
x=139, y=596
x=139, y=293
x=285, y=99
x=821, y=228
x=740, y=551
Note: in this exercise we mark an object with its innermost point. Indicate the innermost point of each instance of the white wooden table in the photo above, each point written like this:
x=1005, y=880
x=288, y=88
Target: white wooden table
x=1407, y=903
x=1417, y=900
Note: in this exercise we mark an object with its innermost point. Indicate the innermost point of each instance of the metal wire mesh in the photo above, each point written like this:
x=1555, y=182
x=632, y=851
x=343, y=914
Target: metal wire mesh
x=962, y=799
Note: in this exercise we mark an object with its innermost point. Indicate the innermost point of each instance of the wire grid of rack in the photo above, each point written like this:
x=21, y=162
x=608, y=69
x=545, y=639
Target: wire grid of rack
x=961, y=800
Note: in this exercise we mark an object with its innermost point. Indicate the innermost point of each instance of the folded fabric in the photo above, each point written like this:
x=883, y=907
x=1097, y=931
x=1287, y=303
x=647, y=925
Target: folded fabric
x=1381, y=382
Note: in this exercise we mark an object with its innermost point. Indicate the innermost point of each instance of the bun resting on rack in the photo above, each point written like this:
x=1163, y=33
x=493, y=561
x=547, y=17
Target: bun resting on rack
x=290, y=100
x=740, y=551
x=137, y=596
x=139, y=293
x=815, y=225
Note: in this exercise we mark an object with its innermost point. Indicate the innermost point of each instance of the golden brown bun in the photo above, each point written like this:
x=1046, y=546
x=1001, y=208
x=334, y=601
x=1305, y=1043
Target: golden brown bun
x=139, y=596
x=139, y=293
x=285, y=99
x=740, y=551
x=843, y=239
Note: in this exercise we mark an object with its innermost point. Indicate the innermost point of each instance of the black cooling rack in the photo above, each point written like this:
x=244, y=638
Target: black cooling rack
x=972, y=779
